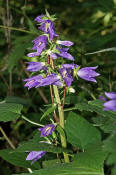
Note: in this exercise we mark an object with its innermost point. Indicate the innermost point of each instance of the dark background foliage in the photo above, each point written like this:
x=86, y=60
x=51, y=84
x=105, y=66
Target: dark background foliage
x=91, y=24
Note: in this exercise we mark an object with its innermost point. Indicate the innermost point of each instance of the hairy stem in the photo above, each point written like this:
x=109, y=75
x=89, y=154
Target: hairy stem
x=34, y=123
x=61, y=120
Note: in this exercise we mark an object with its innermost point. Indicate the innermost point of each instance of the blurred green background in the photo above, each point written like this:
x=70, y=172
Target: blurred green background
x=90, y=24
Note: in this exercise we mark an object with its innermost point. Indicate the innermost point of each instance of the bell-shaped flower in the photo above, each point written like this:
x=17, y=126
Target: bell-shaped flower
x=66, y=76
x=47, y=27
x=65, y=43
x=39, y=19
x=33, y=81
x=35, y=155
x=64, y=54
x=36, y=66
x=66, y=72
x=39, y=45
x=52, y=79
x=47, y=130
x=111, y=104
x=88, y=73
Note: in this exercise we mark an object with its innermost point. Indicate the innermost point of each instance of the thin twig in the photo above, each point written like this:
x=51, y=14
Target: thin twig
x=7, y=139
x=11, y=144
x=34, y=123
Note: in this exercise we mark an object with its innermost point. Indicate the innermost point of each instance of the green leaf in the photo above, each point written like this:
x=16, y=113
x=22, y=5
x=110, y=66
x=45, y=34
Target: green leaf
x=10, y=111
x=80, y=132
x=95, y=106
x=18, y=51
x=46, y=113
x=36, y=146
x=17, y=159
x=86, y=163
x=17, y=100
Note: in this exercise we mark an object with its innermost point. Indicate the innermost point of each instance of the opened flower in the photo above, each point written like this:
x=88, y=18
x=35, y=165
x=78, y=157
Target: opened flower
x=88, y=73
x=47, y=27
x=47, y=130
x=64, y=54
x=35, y=155
x=111, y=104
x=65, y=43
x=39, y=45
x=36, y=66
x=33, y=81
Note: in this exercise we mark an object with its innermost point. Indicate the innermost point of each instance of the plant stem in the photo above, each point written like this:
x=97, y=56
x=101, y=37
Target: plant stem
x=17, y=29
x=61, y=121
x=34, y=123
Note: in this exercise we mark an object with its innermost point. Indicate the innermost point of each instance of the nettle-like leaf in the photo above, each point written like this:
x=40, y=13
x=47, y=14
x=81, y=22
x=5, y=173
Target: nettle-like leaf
x=19, y=50
x=10, y=111
x=47, y=112
x=80, y=132
x=17, y=159
x=37, y=143
x=95, y=106
x=86, y=163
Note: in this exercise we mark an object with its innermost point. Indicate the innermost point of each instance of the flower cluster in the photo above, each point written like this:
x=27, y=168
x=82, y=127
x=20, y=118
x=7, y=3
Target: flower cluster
x=59, y=75
x=45, y=131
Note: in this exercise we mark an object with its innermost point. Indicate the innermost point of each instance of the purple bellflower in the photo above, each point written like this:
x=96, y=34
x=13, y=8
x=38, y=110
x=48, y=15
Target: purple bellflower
x=35, y=155
x=63, y=53
x=88, y=73
x=39, y=45
x=65, y=43
x=36, y=66
x=111, y=104
x=47, y=27
x=50, y=79
x=33, y=81
x=66, y=72
x=38, y=81
x=39, y=19
x=47, y=130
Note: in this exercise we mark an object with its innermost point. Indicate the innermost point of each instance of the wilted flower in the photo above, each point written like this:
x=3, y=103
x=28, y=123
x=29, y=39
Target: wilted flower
x=47, y=130
x=88, y=73
x=65, y=43
x=36, y=66
x=35, y=155
x=39, y=44
x=111, y=104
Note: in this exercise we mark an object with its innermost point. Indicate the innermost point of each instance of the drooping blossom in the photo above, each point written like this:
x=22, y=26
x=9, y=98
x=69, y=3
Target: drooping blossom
x=36, y=66
x=66, y=72
x=33, y=81
x=50, y=79
x=63, y=53
x=47, y=130
x=111, y=104
x=88, y=73
x=65, y=43
x=39, y=19
x=47, y=27
x=35, y=155
x=39, y=45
